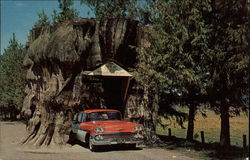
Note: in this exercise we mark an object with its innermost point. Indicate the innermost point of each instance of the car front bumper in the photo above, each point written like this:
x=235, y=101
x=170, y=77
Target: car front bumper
x=116, y=138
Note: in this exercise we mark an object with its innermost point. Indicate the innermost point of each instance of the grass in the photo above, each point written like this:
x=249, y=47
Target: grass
x=208, y=151
x=211, y=150
x=211, y=127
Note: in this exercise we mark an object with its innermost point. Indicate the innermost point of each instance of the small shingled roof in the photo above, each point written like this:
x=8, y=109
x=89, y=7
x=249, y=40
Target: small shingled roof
x=109, y=69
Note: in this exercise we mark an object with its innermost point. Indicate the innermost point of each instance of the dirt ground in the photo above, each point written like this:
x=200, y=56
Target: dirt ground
x=11, y=134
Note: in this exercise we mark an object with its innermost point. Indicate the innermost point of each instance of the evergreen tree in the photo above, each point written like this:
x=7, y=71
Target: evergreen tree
x=228, y=62
x=113, y=8
x=66, y=11
x=12, y=76
x=43, y=20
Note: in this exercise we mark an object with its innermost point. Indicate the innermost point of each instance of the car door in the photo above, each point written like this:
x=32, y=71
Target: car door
x=75, y=124
x=81, y=132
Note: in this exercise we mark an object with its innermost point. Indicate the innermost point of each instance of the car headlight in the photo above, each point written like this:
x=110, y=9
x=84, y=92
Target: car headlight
x=138, y=128
x=138, y=136
x=99, y=137
x=99, y=129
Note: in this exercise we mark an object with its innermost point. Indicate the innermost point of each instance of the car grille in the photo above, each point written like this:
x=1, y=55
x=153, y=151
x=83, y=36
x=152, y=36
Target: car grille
x=118, y=136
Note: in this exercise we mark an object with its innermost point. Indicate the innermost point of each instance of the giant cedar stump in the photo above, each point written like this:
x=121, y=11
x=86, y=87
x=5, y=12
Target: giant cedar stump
x=56, y=57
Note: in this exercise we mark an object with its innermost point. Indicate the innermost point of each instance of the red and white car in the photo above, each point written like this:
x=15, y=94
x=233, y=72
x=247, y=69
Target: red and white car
x=105, y=127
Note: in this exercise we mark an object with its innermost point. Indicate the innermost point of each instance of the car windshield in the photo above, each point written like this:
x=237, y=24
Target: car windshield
x=104, y=116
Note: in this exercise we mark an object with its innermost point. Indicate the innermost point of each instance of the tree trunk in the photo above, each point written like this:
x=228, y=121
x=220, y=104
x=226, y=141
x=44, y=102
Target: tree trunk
x=12, y=113
x=152, y=108
x=142, y=107
x=49, y=126
x=225, y=125
x=191, y=119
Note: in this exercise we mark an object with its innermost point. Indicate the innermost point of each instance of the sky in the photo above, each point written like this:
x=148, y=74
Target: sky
x=18, y=16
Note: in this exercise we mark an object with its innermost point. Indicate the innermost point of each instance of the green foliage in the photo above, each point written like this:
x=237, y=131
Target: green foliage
x=43, y=20
x=12, y=76
x=113, y=8
x=66, y=11
x=171, y=65
x=178, y=42
x=228, y=62
x=198, y=53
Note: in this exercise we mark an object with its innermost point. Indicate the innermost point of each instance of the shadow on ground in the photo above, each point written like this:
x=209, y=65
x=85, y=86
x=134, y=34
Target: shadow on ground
x=209, y=150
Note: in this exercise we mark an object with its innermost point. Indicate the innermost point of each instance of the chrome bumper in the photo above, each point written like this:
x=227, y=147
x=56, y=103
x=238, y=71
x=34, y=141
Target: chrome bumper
x=107, y=139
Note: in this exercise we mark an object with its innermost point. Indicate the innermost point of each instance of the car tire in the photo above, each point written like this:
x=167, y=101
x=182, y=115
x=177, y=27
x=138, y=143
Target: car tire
x=72, y=138
x=92, y=147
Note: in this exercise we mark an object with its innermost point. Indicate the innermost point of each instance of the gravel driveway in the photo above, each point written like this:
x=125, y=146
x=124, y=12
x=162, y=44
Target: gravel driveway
x=11, y=134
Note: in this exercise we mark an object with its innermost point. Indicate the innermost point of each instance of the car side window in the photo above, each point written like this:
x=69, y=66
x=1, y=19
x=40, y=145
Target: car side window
x=79, y=117
x=84, y=116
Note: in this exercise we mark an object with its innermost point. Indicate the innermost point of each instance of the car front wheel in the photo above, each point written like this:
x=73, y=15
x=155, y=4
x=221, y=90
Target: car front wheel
x=72, y=138
x=92, y=147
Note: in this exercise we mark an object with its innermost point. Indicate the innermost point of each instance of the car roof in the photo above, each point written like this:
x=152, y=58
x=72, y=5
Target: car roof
x=100, y=110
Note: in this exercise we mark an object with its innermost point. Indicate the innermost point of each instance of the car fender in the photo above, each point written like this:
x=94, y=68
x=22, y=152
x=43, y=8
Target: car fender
x=81, y=135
